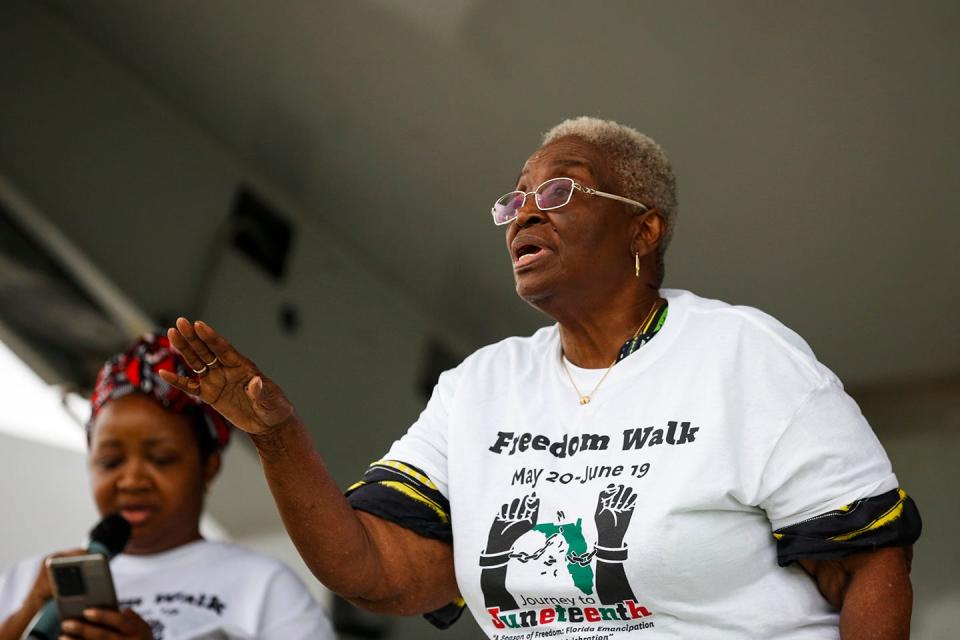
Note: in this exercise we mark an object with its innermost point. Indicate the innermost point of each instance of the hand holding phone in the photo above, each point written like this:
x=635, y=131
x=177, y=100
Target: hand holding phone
x=81, y=582
x=108, y=538
x=109, y=625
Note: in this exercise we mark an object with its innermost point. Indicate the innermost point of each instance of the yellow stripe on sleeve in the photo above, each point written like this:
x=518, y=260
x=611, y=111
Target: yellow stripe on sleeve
x=410, y=471
x=891, y=515
x=410, y=492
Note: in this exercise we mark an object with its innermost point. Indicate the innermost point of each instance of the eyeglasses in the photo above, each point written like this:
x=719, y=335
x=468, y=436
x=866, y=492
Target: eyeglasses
x=552, y=194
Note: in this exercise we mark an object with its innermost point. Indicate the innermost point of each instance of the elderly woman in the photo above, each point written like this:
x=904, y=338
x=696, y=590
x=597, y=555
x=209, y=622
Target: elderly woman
x=654, y=462
x=154, y=451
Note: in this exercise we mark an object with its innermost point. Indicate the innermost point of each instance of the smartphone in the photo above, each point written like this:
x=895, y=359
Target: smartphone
x=81, y=582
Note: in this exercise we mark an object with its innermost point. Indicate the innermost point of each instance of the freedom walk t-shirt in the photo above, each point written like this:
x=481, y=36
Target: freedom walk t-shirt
x=649, y=511
x=201, y=590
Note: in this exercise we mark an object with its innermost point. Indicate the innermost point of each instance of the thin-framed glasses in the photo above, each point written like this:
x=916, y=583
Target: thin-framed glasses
x=552, y=194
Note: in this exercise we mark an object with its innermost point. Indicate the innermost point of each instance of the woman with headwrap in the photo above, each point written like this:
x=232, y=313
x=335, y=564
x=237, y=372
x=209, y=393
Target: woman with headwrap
x=153, y=453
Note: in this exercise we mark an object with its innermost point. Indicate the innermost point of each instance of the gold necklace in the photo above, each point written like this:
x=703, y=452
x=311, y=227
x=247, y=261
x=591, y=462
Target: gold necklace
x=585, y=398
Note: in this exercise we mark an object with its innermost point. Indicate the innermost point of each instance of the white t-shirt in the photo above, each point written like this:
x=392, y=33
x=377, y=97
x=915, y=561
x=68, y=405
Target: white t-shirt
x=201, y=590
x=649, y=511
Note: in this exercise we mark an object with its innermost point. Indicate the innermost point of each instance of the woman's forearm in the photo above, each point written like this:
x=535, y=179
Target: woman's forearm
x=878, y=599
x=14, y=626
x=363, y=558
x=326, y=531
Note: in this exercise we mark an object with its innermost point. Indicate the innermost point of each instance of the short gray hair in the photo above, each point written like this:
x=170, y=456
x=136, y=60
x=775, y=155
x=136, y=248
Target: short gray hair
x=640, y=164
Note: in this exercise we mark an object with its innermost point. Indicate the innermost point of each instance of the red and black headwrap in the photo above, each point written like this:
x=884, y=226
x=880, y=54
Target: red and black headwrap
x=137, y=369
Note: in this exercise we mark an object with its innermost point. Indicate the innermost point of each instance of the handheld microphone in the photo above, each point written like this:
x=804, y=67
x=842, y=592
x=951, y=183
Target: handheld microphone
x=108, y=538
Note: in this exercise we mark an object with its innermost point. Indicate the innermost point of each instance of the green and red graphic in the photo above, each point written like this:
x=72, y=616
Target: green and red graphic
x=598, y=571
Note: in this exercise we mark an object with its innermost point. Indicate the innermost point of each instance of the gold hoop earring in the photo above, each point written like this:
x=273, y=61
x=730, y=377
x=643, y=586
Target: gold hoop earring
x=636, y=262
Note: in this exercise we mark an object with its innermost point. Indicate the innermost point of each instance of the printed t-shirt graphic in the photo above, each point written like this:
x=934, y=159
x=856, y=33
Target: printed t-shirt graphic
x=608, y=581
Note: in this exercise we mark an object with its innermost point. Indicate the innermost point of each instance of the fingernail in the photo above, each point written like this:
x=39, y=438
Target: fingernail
x=92, y=614
x=68, y=625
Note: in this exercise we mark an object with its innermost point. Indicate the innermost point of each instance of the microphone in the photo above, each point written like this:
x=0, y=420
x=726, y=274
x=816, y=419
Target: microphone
x=108, y=538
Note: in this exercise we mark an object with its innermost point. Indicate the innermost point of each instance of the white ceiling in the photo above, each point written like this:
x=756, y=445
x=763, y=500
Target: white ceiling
x=817, y=144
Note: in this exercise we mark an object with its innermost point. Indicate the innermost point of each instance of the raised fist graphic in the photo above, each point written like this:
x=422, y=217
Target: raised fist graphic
x=515, y=519
x=615, y=506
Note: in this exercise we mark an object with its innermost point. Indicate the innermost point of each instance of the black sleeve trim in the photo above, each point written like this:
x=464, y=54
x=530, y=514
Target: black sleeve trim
x=444, y=617
x=403, y=494
x=888, y=520
x=395, y=507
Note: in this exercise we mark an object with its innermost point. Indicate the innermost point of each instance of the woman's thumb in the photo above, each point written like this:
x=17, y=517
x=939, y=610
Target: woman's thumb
x=254, y=389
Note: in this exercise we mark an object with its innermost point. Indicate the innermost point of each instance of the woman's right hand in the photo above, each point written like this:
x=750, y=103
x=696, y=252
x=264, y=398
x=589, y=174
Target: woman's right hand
x=228, y=381
x=17, y=622
x=103, y=624
x=41, y=591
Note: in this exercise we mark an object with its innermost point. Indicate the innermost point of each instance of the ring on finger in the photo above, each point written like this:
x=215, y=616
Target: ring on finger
x=200, y=372
x=212, y=364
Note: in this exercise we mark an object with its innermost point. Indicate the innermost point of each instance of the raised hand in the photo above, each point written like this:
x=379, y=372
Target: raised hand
x=615, y=506
x=226, y=380
x=515, y=519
